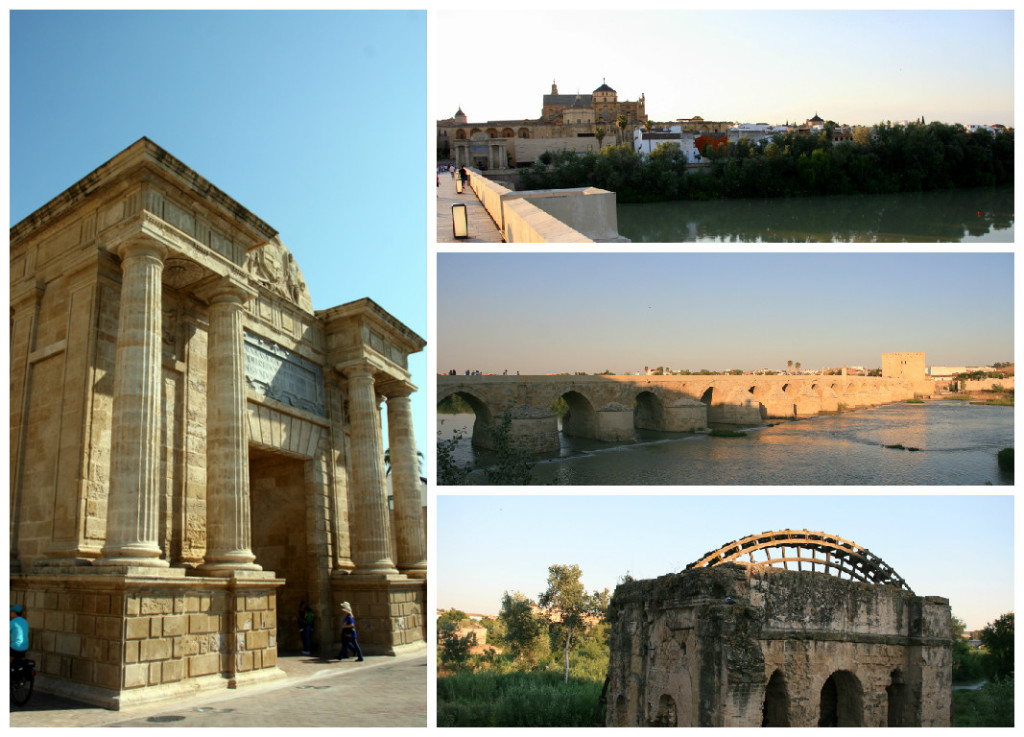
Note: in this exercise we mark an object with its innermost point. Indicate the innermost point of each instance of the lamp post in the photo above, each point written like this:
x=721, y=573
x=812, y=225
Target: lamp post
x=460, y=221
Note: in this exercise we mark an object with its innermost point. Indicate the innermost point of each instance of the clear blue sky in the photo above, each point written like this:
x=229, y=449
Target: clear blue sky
x=314, y=121
x=540, y=313
x=856, y=67
x=957, y=547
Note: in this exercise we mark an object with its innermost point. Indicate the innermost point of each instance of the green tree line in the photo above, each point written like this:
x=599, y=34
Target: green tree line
x=887, y=159
x=543, y=664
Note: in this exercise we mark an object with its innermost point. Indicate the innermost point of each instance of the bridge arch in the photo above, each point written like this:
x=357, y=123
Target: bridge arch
x=483, y=417
x=648, y=411
x=581, y=419
x=807, y=551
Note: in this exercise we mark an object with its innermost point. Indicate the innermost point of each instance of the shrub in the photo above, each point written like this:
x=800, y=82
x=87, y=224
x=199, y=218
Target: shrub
x=1005, y=459
x=722, y=432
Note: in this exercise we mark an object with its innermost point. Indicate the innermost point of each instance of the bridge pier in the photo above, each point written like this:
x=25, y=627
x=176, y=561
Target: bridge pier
x=532, y=429
x=685, y=415
x=738, y=408
x=614, y=424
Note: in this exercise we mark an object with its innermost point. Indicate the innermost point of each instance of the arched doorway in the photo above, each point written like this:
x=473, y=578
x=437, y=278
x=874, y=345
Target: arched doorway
x=775, y=712
x=841, y=701
x=666, y=716
x=896, y=692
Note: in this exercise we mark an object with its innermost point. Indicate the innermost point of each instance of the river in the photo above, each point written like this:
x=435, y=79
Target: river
x=959, y=216
x=958, y=443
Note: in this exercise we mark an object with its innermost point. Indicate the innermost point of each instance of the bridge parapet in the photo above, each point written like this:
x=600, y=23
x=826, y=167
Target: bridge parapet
x=609, y=407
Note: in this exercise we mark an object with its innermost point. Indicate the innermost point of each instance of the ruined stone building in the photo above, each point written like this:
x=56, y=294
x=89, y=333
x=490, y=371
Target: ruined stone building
x=758, y=633
x=194, y=450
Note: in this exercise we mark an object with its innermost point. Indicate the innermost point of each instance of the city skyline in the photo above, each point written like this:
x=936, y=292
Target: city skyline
x=557, y=313
x=610, y=536
x=854, y=67
x=254, y=107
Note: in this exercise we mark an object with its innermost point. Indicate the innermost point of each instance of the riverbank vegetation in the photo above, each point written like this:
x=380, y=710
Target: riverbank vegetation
x=541, y=666
x=886, y=159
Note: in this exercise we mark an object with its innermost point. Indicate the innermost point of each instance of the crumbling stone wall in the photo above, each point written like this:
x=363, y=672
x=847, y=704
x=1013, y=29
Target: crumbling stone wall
x=737, y=646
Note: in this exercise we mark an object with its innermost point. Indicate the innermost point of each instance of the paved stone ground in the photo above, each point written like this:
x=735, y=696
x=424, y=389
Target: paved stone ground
x=379, y=692
x=481, y=227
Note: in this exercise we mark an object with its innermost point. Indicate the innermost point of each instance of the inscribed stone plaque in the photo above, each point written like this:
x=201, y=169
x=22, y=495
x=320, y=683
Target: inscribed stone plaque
x=278, y=373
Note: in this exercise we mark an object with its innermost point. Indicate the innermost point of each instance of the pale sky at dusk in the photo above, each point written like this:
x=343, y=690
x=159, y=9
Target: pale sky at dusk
x=957, y=547
x=770, y=66
x=550, y=313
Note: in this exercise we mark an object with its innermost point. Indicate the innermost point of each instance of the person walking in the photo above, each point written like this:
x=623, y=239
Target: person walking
x=305, y=622
x=348, y=633
x=19, y=633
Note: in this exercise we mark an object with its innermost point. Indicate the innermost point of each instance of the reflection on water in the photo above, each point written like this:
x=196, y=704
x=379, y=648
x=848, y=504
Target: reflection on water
x=965, y=215
x=958, y=443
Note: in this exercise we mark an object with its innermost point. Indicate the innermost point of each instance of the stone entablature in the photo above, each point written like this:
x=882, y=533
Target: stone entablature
x=745, y=646
x=176, y=416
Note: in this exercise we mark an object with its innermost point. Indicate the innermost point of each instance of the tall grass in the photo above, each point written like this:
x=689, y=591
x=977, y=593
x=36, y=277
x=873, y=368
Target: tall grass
x=517, y=699
x=989, y=706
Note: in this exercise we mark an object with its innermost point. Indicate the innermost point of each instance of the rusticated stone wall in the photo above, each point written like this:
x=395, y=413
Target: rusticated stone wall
x=116, y=642
x=737, y=646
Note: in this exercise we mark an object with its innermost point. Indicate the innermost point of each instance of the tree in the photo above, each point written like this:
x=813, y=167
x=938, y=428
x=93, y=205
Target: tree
x=997, y=637
x=454, y=650
x=449, y=472
x=789, y=366
x=452, y=615
x=522, y=630
x=797, y=364
x=648, y=125
x=566, y=596
x=600, y=133
x=964, y=657
x=513, y=466
x=621, y=123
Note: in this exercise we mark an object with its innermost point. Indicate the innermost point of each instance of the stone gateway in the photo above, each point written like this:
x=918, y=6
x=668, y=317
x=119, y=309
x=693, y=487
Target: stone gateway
x=195, y=451
x=738, y=641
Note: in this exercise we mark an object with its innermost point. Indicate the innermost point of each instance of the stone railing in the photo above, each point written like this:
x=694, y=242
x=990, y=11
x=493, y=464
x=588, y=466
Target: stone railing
x=525, y=222
x=580, y=215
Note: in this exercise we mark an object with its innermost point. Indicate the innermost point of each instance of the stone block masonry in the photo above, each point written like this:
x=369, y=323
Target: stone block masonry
x=748, y=646
x=116, y=641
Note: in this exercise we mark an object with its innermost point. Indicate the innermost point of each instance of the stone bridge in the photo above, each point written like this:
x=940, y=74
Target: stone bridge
x=610, y=408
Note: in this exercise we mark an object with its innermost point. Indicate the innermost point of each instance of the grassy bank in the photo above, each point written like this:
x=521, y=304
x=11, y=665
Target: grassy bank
x=517, y=699
x=989, y=706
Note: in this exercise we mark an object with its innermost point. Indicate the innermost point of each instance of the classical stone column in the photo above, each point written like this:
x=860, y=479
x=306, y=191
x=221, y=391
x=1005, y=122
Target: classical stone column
x=228, y=522
x=405, y=484
x=133, y=505
x=371, y=523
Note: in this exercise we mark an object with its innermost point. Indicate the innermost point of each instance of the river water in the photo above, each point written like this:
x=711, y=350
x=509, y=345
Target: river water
x=958, y=443
x=958, y=216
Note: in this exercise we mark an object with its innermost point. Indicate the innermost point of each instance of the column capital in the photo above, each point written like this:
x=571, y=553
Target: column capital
x=358, y=368
x=395, y=388
x=141, y=247
x=225, y=289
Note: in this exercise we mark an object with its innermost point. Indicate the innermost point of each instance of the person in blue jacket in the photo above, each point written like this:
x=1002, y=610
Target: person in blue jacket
x=348, y=633
x=19, y=632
